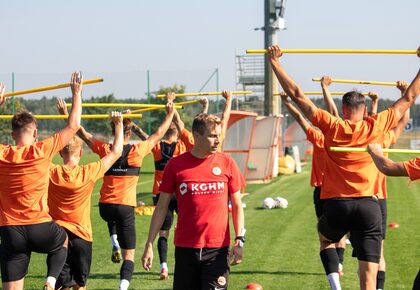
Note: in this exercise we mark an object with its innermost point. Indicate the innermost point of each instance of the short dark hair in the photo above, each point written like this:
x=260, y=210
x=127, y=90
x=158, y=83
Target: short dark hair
x=22, y=119
x=127, y=124
x=201, y=121
x=353, y=100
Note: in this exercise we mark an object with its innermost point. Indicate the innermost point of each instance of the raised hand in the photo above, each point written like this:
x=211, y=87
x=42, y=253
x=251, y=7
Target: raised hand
x=373, y=96
x=402, y=86
x=326, y=81
x=2, y=90
x=275, y=52
x=61, y=107
x=76, y=83
x=170, y=97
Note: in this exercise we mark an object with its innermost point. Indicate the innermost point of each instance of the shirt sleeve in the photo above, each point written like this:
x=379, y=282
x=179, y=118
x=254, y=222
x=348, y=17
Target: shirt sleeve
x=236, y=180
x=323, y=120
x=52, y=145
x=389, y=139
x=169, y=179
x=188, y=139
x=413, y=168
x=387, y=120
x=96, y=170
x=100, y=148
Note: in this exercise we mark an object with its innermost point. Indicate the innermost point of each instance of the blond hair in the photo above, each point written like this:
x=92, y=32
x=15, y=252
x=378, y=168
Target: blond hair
x=74, y=146
x=203, y=121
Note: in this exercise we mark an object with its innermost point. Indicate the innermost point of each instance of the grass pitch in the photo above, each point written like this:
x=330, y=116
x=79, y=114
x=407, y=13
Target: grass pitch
x=282, y=248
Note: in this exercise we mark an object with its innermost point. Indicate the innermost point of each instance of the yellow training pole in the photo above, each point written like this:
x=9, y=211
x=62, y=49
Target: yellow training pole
x=176, y=105
x=359, y=82
x=385, y=150
x=87, y=82
x=371, y=51
x=206, y=94
x=118, y=105
x=97, y=116
x=320, y=93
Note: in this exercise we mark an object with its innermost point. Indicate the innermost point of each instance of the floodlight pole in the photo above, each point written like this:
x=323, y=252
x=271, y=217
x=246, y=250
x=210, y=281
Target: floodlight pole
x=271, y=25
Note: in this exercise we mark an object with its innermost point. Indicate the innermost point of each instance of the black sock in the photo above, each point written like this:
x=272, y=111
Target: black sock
x=416, y=285
x=380, y=280
x=340, y=253
x=112, y=228
x=162, y=246
x=127, y=269
x=330, y=261
x=55, y=262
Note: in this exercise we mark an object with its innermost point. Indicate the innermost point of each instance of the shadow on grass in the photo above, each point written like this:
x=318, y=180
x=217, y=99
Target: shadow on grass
x=276, y=273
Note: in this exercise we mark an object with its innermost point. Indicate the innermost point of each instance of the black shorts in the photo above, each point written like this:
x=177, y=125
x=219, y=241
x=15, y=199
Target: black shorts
x=77, y=267
x=17, y=243
x=173, y=207
x=203, y=269
x=361, y=217
x=318, y=202
x=123, y=216
x=384, y=211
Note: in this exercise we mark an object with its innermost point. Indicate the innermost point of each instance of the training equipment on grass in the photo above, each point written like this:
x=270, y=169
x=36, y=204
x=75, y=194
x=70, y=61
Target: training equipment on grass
x=122, y=105
x=385, y=150
x=368, y=51
x=359, y=82
x=206, y=94
x=49, y=88
x=281, y=202
x=254, y=286
x=268, y=203
x=394, y=225
x=97, y=116
x=321, y=93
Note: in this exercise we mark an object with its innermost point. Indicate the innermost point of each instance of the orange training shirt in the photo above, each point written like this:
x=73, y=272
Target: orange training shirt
x=121, y=189
x=69, y=196
x=24, y=181
x=351, y=174
x=318, y=157
x=380, y=190
x=413, y=168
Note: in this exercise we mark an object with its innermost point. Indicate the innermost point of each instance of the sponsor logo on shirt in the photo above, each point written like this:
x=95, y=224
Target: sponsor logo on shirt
x=183, y=188
x=216, y=170
x=202, y=188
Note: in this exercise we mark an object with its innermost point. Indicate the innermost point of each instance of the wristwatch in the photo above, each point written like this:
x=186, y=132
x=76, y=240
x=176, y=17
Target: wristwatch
x=241, y=240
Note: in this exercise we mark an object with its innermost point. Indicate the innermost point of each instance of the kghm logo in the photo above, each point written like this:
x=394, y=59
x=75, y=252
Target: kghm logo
x=202, y=188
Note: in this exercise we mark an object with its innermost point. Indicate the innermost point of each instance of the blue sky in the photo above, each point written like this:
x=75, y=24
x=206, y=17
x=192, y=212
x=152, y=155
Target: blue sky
x=183, y=41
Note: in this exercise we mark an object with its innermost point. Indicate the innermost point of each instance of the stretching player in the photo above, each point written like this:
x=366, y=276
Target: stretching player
x=25, y=225
x=328, y=252
x=118, y=192
x=202, y=181
x=349, y=178
x=69, y=196
x=381, y=193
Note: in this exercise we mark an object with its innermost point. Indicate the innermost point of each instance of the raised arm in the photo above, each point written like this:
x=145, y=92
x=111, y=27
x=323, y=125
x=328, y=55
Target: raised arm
x=374, y=98
x=118, y=144
x=410, y=95
x=82, y=133
x=226, y=112
x=307, y=107
x=160, y=132
x=294, y=112
x=73, y=121
x=205, y=105
x=328, y=100
x=2, y=90
x=402, y=86
x=385, y=165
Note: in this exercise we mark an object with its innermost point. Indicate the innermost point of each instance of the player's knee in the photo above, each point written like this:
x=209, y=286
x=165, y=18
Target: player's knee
x=128, y=254
x=164, y=233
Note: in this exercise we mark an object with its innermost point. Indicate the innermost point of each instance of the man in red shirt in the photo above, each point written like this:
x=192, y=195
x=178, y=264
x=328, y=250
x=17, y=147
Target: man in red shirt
x=349, y=178
x=69, y=196
x=202, y=180
x=25, y=224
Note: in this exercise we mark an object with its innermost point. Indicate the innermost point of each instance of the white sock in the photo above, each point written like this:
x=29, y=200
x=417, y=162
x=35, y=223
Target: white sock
x=114, y=241
x=124, y=284
x=334, y=280
x=164, y=265
x=51, y=281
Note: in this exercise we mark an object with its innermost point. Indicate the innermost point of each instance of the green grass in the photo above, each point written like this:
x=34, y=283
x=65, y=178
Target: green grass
x=282, y=248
